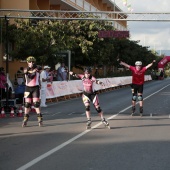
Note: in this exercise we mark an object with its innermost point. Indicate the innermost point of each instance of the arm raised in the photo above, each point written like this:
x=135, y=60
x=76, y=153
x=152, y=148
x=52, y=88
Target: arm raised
x=149, y=65
x=124, y=64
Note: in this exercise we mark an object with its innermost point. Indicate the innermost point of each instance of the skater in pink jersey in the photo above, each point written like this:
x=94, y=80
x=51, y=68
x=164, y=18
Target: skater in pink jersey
x=32, y=90
x=138, y=73
x=89, y=95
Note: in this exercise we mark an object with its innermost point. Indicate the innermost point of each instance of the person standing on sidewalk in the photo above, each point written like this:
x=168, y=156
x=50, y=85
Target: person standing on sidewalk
x=138, y=73
x=44, y=78
x=62, y=73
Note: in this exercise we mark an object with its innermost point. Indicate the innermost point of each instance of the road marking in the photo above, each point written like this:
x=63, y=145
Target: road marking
x=49, y=114
x=55, y=113
x=71, y=113
x=83, y=114
x=43, y=156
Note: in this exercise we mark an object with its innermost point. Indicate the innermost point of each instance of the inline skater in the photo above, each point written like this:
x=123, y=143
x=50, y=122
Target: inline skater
x=138, y=73
x=89, y=95
x=32, y=90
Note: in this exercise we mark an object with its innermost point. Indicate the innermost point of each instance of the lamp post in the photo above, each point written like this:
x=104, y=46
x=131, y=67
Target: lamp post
x=114, y=13
x=7, y=56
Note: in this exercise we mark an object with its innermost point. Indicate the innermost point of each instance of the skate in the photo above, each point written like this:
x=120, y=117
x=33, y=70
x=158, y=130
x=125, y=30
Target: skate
x=26, y=117
x=106, y=124
x=88, y=125
x=40, y=119
x=141, y=111
x=133, y=110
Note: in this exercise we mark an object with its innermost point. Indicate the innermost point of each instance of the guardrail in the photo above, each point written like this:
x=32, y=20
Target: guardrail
x=74, y=88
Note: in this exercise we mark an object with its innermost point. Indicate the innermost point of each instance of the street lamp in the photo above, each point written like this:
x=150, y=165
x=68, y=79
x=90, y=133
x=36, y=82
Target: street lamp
x=7, y=56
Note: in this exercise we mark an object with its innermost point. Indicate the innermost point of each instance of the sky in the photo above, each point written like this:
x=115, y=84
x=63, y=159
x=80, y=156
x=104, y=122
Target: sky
x=156, y=35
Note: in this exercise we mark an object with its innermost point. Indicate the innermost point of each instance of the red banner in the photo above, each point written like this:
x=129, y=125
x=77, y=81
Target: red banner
x=113, y=34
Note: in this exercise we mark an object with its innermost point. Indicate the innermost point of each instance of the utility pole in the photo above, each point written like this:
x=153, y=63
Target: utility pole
x=7, y=57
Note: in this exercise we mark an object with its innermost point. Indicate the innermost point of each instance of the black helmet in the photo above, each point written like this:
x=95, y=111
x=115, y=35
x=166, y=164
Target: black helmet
x=87, y=70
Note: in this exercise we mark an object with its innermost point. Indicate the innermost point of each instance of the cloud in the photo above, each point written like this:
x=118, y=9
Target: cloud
x=150, y=33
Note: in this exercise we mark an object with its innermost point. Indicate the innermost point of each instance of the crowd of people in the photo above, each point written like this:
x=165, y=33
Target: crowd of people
x=35, y=79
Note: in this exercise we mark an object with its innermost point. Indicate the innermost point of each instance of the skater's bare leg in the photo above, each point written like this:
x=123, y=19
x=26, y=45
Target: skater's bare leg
x=133, y=103
x=140, y=98
x=88, y=115
x=27, y=110
x=100, y=112
x=134, y=97
x=87, y=106
x=36, y=103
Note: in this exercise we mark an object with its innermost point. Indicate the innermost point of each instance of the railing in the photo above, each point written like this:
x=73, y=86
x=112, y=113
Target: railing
x=70, y=15
x=88, y=7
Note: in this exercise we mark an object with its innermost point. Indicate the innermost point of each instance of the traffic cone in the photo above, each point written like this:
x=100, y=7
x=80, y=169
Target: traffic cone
x=12, y=112
x=2, y=115
x=20, y=112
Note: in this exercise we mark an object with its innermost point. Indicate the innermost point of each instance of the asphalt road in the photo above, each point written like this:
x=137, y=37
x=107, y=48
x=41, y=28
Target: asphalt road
x=63, y=143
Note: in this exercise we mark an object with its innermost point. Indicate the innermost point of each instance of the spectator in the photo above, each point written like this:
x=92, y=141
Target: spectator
x=62, y=73
x=96, y=73
x=161, y=75
x=44, y=78
x=54, y=75
x=157, y=74
x=20, y=76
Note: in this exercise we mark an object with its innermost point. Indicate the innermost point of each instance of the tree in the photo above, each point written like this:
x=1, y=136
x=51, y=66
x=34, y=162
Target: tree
x=45, y=38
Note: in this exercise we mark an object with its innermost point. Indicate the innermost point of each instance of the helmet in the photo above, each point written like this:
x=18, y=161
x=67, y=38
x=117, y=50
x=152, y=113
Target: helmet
x=138, y=63
x=31, y=58
x=87, y=70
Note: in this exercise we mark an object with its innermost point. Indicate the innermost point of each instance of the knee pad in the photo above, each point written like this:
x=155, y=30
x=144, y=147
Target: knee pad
x=27, y=105
x=140, y=98
x=134, y=97
x=87, y=108
x=26, y=115
x=39, y=115
x=36, y=104
x=98, y=109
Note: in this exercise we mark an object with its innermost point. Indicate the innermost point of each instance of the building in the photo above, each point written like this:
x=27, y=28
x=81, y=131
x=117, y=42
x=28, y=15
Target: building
x=66, y=5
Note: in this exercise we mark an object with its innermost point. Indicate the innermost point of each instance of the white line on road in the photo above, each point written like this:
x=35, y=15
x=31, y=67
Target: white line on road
x=38, y=159
x=71, y=113
x=56, y=113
